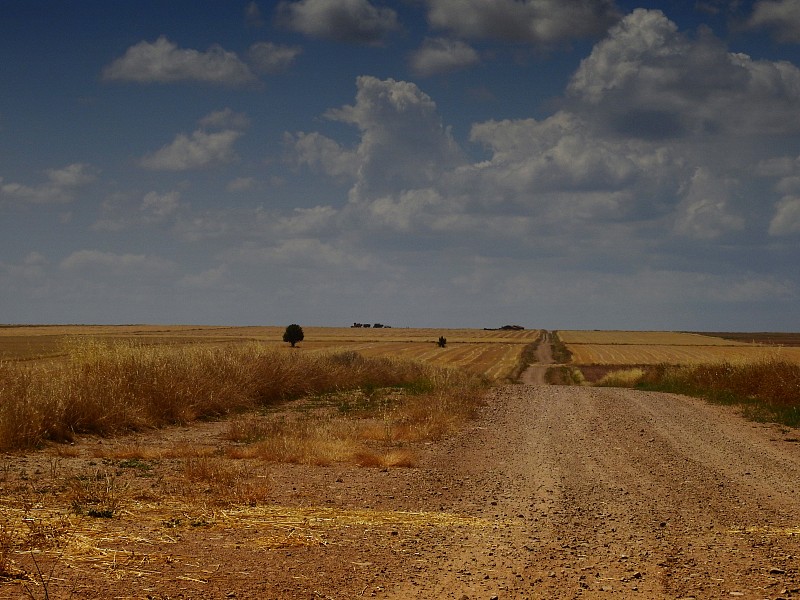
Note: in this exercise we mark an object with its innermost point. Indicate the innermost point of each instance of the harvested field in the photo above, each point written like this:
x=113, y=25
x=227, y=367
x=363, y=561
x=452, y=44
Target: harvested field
x=656, y=347
x=493, y=353
x=765, y=337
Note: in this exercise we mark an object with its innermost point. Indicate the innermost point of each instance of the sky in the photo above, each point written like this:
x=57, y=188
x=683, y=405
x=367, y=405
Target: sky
x=582, y=164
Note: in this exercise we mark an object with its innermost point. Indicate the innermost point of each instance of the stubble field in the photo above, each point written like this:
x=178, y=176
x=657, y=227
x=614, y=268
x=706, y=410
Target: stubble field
x=660, y=347
x=493, y=353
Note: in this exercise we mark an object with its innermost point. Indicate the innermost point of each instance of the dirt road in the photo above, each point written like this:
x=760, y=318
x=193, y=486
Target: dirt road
x=606, y=493
x=535, y=373
x=555, y=492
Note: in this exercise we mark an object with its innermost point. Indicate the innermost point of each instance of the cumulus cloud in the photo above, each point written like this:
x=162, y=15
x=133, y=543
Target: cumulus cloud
x=154, y=208
x=558, y=153
x=704, y=213
x=163, y=62
x=317, y=151
x=120, y=264
x=534, y=21
x=60, y=186
x=442, y=55
x=787, y=217
x=266, y=57
x=780, y=17
x=354, y=21
x=202, y=148
x=403, y=142
x=197, y=151
x=159, y=206
x=649, y=80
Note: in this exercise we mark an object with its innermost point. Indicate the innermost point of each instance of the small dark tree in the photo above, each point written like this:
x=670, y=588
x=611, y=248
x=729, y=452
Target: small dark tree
x=442, y=341
x=293, y=334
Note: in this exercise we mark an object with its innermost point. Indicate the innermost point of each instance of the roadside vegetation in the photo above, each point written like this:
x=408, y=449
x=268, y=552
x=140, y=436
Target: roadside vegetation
x=561, y=353
x=104, y=388
x=766, y=390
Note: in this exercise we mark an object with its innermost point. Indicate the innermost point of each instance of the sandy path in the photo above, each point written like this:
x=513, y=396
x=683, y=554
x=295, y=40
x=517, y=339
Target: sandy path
x=534, y=374
x=601, y=491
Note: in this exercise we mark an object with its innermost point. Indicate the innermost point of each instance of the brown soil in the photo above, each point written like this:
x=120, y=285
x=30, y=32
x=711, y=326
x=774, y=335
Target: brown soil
x=555, y=492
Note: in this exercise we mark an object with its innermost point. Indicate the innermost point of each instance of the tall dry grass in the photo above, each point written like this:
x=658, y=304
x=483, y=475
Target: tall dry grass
x=108, y=387
x=766, y=389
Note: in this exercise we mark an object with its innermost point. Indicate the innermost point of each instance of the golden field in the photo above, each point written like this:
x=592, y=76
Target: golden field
x=493, y=353
x=666, y=347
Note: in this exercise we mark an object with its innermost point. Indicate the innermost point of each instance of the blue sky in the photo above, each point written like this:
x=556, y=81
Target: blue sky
x=452, y=163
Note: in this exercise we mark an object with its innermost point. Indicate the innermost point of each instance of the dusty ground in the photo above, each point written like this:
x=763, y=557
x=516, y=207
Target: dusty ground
x=555, y=492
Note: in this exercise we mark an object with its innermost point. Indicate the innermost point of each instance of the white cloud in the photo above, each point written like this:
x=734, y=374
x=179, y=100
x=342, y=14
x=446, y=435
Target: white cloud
x=203, y=148
x=535, y=21
x=404, y=144
x=787, y=217
x=225, y=119
x=704, y=212
x=267, y=57
x=302, y=253
x=163, y=62
x=305, y=221
x=60, y=186
x=561, y=171
x=355, y=21
x=648, y=80
x=118, y=264
x=781, y=17
x=160, y=206
x=316, y=150
x=154, y=208
x=200, y=150
x=442, y=55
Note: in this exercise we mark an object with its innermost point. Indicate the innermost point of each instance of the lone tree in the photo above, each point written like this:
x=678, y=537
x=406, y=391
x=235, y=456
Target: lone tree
x=442, y=341
x=293, y=334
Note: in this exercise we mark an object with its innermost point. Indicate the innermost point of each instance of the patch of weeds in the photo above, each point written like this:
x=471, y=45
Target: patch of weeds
x=561, y=354
x=564, y=376
x=98, y=495
x=135, y=463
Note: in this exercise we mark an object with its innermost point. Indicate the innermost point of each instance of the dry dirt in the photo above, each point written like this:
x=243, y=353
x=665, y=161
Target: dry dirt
x=555, y=492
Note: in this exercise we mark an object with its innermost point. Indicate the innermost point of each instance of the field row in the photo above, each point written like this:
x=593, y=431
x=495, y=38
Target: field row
x=643, y=354
x=646, y=338
x=495, y=360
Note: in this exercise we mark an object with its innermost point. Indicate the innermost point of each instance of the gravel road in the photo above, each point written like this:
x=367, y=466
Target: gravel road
x=612, y=493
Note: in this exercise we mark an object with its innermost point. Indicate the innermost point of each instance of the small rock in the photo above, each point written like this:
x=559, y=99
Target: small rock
x=777, y=571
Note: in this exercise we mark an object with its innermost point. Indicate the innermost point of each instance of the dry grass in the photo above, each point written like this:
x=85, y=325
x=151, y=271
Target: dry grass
x=492, y=353
x=344, y=427
x=621, y=378
x=765, y=390
x=108, y=387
